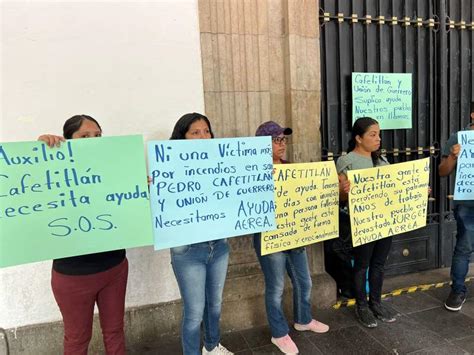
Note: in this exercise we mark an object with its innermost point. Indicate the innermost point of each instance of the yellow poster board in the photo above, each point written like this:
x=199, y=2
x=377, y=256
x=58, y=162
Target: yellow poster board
x=388, y=200
x=307, y=206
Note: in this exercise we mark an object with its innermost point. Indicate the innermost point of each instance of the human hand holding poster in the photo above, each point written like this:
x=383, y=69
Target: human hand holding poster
x=206, y=189
x=464, y=185
x=388, y=200
x=88, y=196
x=307, y=206
x=387, y=97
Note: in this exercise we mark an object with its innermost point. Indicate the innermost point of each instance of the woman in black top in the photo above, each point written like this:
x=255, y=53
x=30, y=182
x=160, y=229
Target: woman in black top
x=80, y=282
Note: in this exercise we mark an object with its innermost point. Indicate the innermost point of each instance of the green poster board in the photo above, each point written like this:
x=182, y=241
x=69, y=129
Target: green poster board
x=89, y=195
x=383, y=96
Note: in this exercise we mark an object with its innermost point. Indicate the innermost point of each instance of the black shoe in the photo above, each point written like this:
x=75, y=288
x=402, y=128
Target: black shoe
x=455, y=301
x=365, y=316
x=385, y=314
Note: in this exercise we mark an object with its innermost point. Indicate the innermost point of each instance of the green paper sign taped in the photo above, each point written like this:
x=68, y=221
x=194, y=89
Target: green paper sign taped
x=385, y=97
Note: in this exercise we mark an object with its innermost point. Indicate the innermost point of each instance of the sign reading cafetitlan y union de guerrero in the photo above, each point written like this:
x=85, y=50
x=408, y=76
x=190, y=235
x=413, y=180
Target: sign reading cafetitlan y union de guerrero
x=387, y=97
x=307, y=206
x=388, y=200
x=87, y=196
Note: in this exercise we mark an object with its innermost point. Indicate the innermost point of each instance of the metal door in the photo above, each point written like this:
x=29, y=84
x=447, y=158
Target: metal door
x=433, y=40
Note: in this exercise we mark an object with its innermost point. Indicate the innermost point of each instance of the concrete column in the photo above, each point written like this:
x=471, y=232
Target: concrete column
x=260, y=61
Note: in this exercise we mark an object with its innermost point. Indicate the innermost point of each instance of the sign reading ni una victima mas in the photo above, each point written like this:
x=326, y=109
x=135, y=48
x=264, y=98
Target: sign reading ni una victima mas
x=88, y=196
x=207, y=189
x=385, y=97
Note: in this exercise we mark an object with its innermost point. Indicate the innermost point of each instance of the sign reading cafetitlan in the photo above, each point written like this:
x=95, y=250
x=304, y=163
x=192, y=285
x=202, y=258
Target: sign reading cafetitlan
x=388, y=200
x=387, y=97
x=464, y=185
x=88, y=196
x=206, y=189
x=307, y=206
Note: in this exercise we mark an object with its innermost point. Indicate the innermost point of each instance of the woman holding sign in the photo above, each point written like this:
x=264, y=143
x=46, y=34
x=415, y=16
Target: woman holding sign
x=79, y=282
x=200, y=268
x=293, y=261
x=363, y=153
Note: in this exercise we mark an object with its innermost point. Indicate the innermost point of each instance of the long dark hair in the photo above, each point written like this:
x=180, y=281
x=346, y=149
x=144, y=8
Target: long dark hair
x=183, y=124
x=360, y=127
x=74, y=123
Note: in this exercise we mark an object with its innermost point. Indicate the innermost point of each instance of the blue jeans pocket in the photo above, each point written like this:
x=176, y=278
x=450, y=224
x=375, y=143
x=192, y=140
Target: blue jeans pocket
x=181, y=250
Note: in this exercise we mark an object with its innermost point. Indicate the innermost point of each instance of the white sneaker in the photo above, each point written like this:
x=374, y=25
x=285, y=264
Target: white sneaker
x=218, y=350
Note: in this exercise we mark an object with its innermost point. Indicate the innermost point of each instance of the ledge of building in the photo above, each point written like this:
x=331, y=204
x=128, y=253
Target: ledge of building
x=243, y=308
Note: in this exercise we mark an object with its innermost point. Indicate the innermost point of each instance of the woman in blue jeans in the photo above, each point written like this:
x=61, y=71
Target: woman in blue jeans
x=200, y=269
x=294, y=262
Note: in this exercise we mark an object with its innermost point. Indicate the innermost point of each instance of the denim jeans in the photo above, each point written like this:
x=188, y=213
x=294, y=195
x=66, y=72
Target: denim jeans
x=372, y=256
x=200, y=270
x=464, y=215
x=295, y=263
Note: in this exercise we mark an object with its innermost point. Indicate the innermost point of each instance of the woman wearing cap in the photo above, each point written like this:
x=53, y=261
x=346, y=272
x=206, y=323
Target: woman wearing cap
x=200, y=268
x=294, y=262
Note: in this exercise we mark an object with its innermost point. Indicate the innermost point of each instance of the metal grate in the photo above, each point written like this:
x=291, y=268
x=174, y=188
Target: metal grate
x=433, y=40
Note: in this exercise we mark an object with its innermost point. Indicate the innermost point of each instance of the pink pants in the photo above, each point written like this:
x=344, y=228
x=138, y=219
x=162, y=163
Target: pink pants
x=76, y=296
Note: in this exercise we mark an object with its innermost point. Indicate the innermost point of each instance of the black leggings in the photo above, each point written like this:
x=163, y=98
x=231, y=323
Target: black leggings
x=373, y=256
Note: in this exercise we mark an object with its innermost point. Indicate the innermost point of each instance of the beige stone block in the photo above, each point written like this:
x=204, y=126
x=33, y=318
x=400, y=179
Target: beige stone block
x=213, y=11
x=317, y=66
x=241, y=16
x=276, y=18
x=212, y=108
x=250, y=20
x=307, y=13
x=295, y=16
x=276, y=64
x=254, y=112
x=300, y=82
x=234, y=15
x=263, y=62
x=207, y=62
x=220, y=15
x=311, y=18
x=241, y=113
x=262, y=16
x=265, y=106
x=223, y=16
x=237, y=73
x=215, y=62
x=318, y=23
x=227, y=114
x=251, y=61
x=313, y=63
x=204, y=9
x=243, y=61
x=304, y=116
x=303, y=17
x=228, y=16
x=303, y=62
x=277, y=106
x=292, y=61
x=224, y=68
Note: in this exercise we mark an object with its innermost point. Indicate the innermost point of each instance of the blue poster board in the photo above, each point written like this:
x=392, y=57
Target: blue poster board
x=464, y=184
x=207, y=189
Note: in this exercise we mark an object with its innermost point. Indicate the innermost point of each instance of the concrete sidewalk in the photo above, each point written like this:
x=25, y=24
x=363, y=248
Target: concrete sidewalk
x=423, y=327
